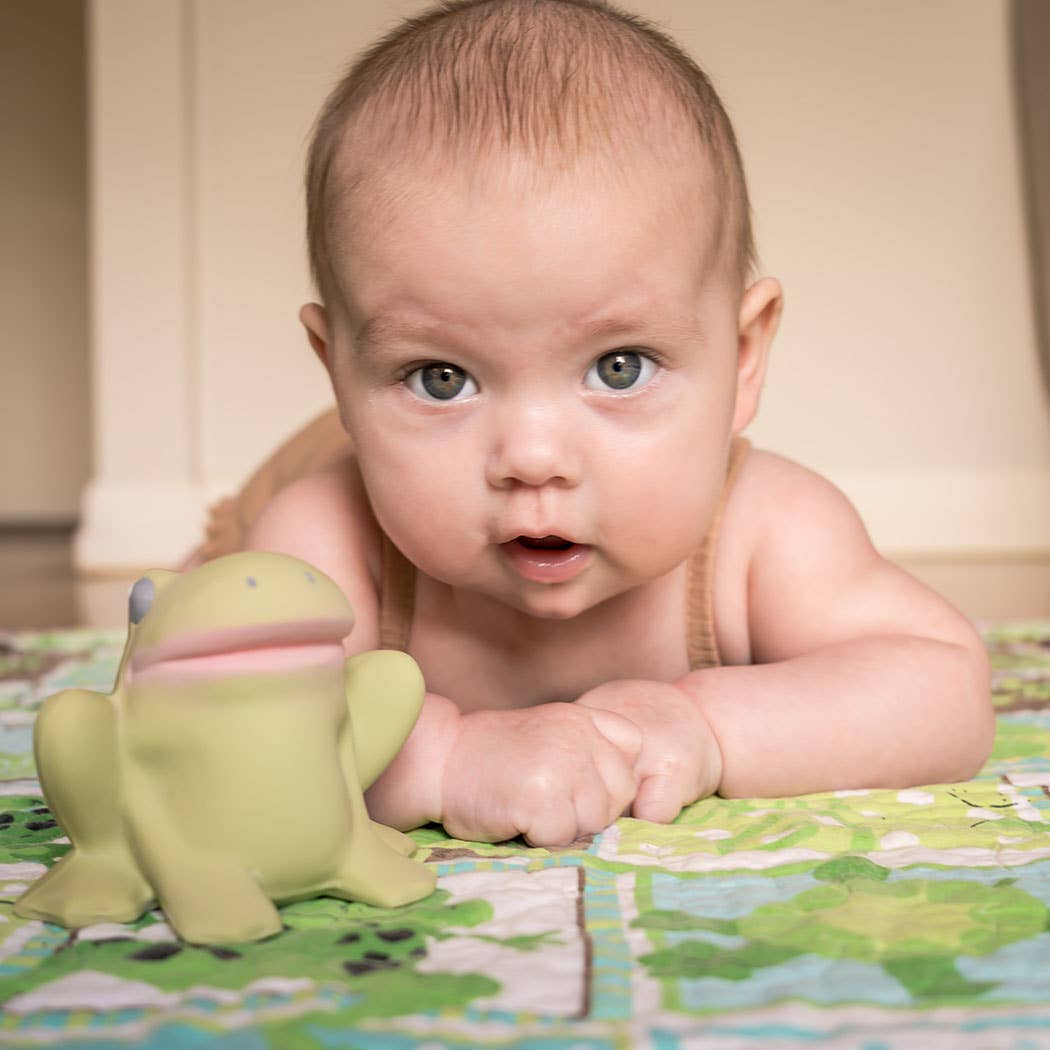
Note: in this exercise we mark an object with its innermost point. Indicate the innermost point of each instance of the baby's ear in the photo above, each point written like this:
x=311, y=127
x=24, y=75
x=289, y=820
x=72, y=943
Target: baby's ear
x=760, y=311
x=315, y=321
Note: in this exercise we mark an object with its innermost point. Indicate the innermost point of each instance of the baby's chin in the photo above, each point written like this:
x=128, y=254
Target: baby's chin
x=562, y=601
x=548, y=604
x=507, y=590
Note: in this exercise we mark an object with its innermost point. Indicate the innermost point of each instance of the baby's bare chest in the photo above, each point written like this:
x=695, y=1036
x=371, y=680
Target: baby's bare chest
x=479, y=668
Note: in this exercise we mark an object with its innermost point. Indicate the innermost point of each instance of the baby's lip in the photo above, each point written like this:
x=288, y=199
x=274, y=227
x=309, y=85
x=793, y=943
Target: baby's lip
x=546, y=559
x=538, y=539
x=549, y=541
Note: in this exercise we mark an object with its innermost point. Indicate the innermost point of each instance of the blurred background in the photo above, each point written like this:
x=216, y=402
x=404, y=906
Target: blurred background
x=152, y=263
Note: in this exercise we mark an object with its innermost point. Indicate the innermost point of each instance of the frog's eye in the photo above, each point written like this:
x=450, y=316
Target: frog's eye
x=140, y=598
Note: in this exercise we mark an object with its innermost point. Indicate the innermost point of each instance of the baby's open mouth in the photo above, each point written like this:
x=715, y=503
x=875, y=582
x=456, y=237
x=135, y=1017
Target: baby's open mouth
x=545, y=543
x=547, y=559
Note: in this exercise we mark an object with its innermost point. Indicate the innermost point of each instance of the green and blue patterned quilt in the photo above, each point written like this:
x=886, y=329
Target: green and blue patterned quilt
x=875, y=919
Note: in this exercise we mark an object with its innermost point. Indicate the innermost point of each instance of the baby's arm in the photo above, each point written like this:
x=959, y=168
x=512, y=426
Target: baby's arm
x=551, y=773
x=861, y=676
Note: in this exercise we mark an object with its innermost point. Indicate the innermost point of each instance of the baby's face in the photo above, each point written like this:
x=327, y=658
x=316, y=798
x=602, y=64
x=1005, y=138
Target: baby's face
x=541, y=386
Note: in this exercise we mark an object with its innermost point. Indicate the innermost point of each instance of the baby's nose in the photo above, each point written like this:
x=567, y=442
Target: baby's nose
x=533, y=444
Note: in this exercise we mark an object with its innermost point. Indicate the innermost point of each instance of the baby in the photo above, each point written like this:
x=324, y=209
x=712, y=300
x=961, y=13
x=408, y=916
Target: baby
x=529, y=228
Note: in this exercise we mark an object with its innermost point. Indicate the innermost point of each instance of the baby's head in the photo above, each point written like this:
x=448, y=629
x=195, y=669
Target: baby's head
x=529, y=226
x=548, y=84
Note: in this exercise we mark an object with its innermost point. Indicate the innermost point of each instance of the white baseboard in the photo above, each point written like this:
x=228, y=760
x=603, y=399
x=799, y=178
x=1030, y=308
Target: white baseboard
x=136, y=526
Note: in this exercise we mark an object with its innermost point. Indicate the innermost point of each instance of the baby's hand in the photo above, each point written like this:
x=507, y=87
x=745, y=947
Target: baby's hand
x=680, y=759
x=551, y=773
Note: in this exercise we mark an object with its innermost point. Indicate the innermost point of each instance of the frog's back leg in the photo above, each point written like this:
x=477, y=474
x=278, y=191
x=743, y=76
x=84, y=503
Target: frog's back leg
x=74, y=742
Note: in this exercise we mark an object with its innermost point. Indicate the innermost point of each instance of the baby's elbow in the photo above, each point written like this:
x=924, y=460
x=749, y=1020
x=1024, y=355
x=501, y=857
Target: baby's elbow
x=973, y=709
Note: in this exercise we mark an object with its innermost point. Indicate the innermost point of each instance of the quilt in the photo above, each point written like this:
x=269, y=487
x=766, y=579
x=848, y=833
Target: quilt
x=875, y=919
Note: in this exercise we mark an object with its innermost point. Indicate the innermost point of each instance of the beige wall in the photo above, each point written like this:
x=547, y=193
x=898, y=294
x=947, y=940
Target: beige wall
x=880, y=145
x=44, y=398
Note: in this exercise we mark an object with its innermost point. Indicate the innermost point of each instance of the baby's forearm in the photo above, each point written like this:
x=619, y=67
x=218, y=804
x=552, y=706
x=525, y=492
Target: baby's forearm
x=409, y=792
x=887, y=711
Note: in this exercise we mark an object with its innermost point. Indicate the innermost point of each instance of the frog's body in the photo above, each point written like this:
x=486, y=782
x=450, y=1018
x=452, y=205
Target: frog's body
x=226, y=770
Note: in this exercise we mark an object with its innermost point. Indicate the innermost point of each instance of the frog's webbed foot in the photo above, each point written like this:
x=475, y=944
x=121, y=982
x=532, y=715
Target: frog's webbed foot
x=394, y=839
x=375, y=872
x=85, y=888
x=216, y=901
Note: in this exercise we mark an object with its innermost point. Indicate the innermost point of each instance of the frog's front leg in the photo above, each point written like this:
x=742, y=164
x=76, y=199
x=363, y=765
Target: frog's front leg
x=98, y=880
x=208, y=898
x=384, y=695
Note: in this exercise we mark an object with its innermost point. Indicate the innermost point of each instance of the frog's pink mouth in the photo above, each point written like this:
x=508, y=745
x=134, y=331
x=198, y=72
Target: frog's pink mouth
x=251, y=649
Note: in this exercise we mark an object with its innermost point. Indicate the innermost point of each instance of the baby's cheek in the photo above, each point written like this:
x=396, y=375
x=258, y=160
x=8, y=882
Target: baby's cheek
x=665, y=516
x=428, y=514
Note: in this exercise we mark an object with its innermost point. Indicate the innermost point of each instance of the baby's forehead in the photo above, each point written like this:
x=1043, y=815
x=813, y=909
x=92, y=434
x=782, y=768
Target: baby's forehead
x=641, y=186
x=501, y=258
x=642, y=165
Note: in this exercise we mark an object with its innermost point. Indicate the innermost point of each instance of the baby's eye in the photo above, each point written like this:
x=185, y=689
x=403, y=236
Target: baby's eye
x=440, y=381
x=620, y=370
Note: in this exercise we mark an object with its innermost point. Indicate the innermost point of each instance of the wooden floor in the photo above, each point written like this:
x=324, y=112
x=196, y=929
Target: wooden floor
x=39, y=589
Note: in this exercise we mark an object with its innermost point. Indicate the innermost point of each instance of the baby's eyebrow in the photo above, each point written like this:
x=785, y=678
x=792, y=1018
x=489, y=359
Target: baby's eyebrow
x=381, y=330
x=645, y=328
x=610, y=327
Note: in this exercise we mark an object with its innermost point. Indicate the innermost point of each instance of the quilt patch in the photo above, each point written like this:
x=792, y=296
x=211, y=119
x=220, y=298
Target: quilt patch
x=889, y=919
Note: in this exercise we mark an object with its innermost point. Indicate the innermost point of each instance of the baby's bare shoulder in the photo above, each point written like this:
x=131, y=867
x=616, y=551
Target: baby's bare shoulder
x=812, y=576
x=326, y=519
x=771, y=490
x=758, y=510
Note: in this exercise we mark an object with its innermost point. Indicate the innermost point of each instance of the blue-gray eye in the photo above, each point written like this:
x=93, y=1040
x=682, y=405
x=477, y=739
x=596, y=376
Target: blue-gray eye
x=441, y=381
x=140, y=598
x=620, y=370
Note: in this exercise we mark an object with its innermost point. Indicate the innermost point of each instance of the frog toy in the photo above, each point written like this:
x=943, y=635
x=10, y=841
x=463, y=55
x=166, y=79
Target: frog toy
x=226, y=770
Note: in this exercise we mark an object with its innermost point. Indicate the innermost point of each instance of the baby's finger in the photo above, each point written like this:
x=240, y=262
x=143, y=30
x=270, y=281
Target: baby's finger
x=595, y=809
x=621, y=732
x=551, y=826
x=660, y=799
x=618, y=779
x=475, y=829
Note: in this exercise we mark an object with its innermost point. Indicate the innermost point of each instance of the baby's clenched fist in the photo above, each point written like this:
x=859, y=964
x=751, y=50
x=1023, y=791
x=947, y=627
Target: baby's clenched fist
x=551, y=773
x=680, y=760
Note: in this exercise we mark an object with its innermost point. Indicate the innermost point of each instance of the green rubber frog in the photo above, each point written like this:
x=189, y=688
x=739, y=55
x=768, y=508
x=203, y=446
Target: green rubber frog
x=226, y=770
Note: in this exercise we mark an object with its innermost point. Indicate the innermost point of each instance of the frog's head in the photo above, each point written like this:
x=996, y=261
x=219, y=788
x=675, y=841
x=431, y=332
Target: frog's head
x=252, y=611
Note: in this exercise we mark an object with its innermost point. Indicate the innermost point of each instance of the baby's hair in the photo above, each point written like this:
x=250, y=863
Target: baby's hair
x=550, y=78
